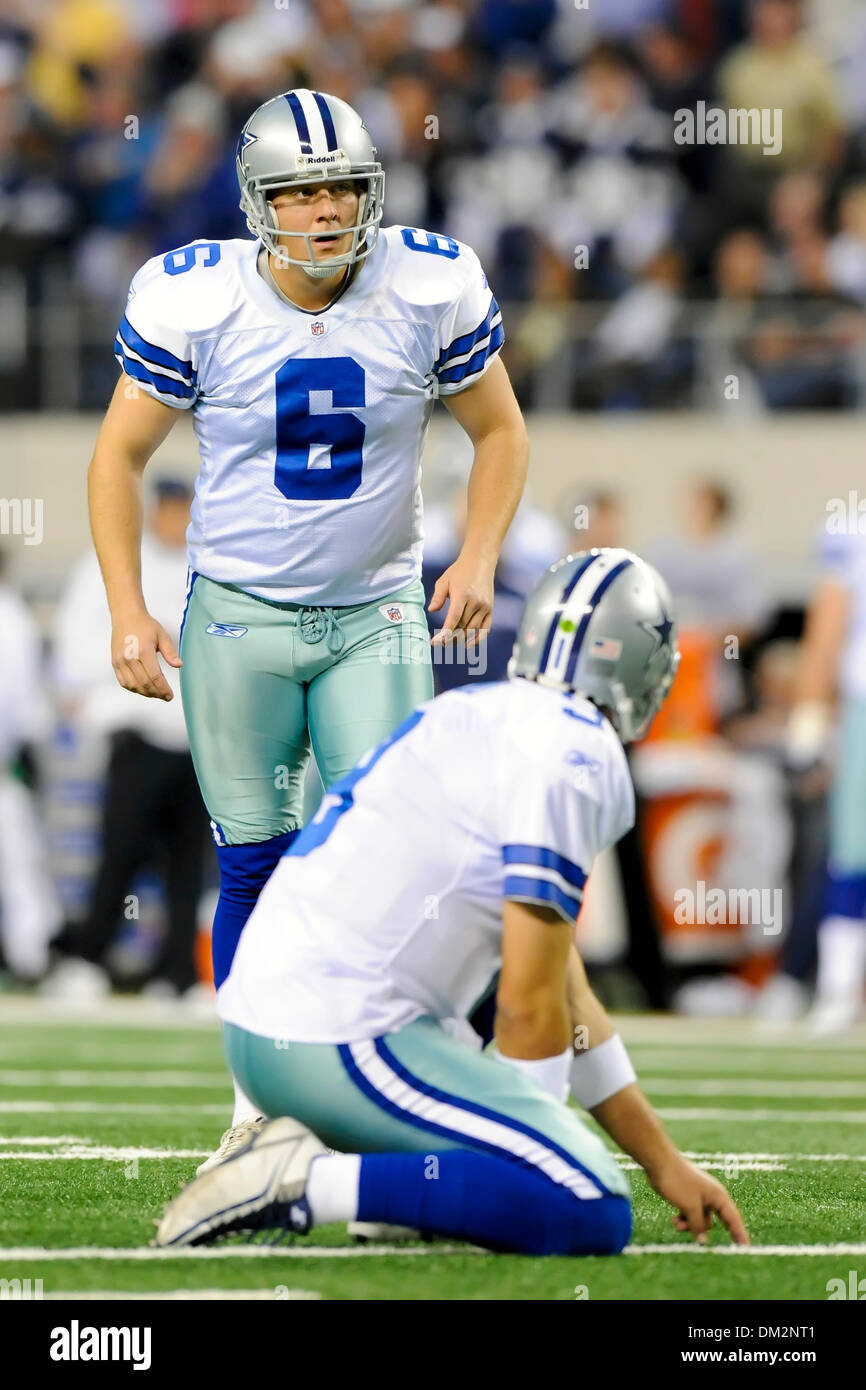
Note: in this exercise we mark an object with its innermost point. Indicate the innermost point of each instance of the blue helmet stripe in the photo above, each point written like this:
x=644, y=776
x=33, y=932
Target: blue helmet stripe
x=584, y=622
x=301, y=122
x=566, y=595
x=327, y=120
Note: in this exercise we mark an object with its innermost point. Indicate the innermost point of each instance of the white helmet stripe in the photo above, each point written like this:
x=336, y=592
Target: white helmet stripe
x=578, y=602
x=315, y=124
x=555, y=665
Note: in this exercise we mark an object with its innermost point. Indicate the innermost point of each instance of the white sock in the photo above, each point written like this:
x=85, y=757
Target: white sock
x=244, y=1108
x=841, y=959
x=332, y=1188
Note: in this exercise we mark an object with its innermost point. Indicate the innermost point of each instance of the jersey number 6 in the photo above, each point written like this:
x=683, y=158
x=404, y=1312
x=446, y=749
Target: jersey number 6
x=319, y=452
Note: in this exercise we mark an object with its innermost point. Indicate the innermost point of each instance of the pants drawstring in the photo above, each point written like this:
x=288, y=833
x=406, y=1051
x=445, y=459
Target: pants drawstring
x=316, y=623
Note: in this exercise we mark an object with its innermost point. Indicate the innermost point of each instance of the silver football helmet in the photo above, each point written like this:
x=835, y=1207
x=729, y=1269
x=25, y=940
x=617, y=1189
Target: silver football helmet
x=307, y=137
x=601, y=624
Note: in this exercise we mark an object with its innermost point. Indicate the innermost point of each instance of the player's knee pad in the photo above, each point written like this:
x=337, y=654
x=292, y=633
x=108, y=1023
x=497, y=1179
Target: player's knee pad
x=244, y=871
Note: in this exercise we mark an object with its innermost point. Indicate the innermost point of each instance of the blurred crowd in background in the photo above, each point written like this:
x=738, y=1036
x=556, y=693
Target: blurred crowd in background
x=637, y=272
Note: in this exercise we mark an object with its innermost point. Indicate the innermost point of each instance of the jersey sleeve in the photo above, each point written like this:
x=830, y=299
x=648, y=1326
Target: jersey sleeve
x=153, y=349
x=554, y=827
x=469, y=334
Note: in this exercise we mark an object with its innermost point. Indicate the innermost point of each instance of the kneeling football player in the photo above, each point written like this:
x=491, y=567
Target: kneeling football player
x=455, y=853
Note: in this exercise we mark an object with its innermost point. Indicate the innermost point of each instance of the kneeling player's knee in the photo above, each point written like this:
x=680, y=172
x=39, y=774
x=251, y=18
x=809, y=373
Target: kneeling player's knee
x=596, y=1226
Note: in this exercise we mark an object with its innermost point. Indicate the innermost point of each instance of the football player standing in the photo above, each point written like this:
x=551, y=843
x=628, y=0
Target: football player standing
x=310, y=358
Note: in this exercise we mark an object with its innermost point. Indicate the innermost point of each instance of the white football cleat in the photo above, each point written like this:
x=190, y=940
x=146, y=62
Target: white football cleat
x=782, y=1001
x=828, y=1018
x=260, y=1188
x=76, y=981
x=232, y=1141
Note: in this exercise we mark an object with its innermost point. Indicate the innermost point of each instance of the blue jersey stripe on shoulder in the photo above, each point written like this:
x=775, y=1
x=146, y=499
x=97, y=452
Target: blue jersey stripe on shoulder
x=468, y=340
x=546, y=859
x=161, y=357
x=166, y=385
x=541, y=890
x=452, y=375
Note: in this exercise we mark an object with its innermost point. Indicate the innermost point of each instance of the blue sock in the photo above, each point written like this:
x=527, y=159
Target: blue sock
x=845, y=895
x=244, y=871
x=490, y=1201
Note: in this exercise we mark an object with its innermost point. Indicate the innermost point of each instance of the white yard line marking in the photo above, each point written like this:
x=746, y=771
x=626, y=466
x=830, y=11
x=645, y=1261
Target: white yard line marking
x=106, y=1152
x=340, y=1252
x=670, y=1031
x=628, y=1165
x=46, y=1050
x=107, y=1013
x=800, y=1117
x=710, y=1086
x=42, y=1139
x=105, y=1107
x=196, y=1080
x=224, y=1252
x=98, y=1107
x=70, y=1147
x=647, y=1029
x=684, y=1058
x=694, y=1249
x=659, y=1085
x=187, y=1296
x=792, y=1157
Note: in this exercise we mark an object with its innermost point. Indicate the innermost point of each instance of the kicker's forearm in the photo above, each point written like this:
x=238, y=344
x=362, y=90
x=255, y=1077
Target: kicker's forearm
x=632, y=1123
x=626, y=1116
x=114, y=499
x=496, y=485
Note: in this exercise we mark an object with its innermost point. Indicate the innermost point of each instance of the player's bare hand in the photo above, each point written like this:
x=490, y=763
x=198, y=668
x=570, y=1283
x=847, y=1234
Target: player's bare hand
x=137, y=642
x=467, y=585
x=697, y=1195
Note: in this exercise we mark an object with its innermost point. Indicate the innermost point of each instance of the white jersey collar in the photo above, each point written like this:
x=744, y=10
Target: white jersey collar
x=268, y=296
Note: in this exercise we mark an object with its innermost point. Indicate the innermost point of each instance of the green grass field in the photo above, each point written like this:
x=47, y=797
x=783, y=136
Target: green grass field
x=101, y=1121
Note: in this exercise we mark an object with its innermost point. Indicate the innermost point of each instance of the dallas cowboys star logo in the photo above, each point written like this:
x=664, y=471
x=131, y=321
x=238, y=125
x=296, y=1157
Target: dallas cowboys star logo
x=662, y=630
x=246, y=139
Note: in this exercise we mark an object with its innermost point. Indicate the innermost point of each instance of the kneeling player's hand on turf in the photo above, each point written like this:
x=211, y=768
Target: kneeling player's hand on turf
x=468, y=587
x=135, y=641
x=696, y=1196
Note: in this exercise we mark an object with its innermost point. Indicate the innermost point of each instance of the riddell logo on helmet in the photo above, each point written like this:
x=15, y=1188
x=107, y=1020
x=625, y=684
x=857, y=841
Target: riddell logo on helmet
x=312, y=161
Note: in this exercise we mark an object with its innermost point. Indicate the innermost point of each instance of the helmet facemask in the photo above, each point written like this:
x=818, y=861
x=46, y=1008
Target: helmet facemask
x=632, y=717
x=261, y=219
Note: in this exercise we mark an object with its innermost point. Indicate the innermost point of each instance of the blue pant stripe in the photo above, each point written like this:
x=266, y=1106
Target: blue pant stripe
x=485, y=1113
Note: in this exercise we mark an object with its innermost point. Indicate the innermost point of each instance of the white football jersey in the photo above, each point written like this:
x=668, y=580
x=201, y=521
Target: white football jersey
x=843, y=558
x=389, y=904
x=310, y=426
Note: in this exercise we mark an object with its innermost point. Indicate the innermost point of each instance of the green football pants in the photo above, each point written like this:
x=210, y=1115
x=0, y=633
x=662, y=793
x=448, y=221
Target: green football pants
x=262, y=682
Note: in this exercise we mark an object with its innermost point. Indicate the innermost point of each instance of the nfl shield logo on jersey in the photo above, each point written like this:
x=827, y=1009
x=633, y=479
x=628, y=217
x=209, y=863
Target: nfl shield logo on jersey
x=392, y=611
x=317, y=328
